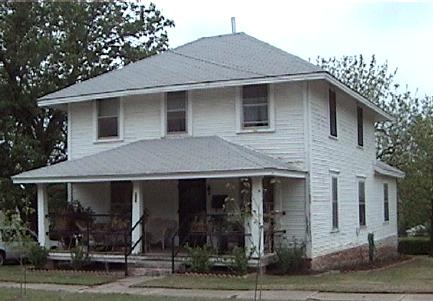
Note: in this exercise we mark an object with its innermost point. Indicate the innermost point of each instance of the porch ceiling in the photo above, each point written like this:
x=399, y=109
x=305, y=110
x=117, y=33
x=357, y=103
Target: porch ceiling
x=174, y=158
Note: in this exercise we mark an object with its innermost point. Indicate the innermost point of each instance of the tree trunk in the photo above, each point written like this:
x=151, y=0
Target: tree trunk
x=431, y=228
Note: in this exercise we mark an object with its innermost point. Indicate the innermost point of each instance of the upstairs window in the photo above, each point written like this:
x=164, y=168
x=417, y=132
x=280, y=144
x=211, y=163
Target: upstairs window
x=360, y=127
x=332, y=113
x=176, y=112
x=108, y=118
x=255, y=106
x=334, y=195
x=361, y=200
x=385, y=202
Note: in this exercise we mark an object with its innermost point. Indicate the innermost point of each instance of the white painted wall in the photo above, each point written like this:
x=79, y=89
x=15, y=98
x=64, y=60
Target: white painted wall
x=212, y=112
x=161, y=199
x=343, y=156
x=290, y=199
x=94, y=195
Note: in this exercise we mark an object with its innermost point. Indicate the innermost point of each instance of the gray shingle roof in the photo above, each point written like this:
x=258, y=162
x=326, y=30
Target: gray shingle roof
x=388, y=170
x=159, y=158
x=212, y=59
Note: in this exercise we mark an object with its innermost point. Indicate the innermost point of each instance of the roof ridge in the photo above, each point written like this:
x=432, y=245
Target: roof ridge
x=208, y=37
x=282, y=51
x=215, y=63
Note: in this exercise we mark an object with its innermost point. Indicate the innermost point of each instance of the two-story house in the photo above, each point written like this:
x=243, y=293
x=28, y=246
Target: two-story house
x=178, y=134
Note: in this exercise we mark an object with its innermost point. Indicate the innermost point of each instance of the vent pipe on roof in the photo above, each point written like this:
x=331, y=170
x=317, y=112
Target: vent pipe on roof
x=233, y=25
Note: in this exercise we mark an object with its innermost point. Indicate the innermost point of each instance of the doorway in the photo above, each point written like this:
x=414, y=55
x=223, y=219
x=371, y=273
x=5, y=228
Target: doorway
x=192, y=211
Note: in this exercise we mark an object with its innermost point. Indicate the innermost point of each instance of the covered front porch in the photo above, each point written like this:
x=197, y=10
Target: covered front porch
x=157, y=197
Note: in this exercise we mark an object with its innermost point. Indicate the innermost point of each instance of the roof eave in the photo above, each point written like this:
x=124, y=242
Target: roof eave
x=320, y=75
x=389, y=173
x=167, y=176
x=383, y=116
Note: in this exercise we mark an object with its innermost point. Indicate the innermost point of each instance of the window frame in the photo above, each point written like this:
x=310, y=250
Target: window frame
x=334, y=202
x=332, y=110
x=360, y=125
x=240, y=129
x=120, y=121
x=385, y=202
x=362, y=204
x=267, y=121
x=188, y=116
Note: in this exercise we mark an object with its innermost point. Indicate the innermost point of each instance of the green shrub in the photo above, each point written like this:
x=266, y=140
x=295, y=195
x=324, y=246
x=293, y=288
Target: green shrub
x=238, y=262
x=414, y=246
x=290, y=257
x=79, y=258
x=38, y=256
x=199, y=259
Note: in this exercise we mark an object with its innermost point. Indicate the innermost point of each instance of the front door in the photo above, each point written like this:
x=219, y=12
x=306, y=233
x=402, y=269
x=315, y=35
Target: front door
x=192, y=208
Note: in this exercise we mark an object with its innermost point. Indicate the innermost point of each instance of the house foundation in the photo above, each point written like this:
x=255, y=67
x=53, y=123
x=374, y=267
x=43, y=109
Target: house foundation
x=385, y=249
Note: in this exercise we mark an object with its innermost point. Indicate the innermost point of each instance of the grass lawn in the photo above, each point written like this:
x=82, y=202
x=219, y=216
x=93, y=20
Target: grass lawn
x=36, y=295
x=414, y=276
x=14, y=273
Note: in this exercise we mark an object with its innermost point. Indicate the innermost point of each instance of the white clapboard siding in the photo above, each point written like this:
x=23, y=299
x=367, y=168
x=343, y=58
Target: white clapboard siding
x=343, y=157
x=213, y=113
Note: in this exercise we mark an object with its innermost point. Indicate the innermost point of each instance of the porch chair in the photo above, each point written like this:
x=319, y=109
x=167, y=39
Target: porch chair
x=158, y=230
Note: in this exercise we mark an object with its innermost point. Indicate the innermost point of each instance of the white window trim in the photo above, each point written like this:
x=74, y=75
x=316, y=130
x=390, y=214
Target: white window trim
x=239, y=112
x=189, y=125
x=96, y=139
x=334, y=174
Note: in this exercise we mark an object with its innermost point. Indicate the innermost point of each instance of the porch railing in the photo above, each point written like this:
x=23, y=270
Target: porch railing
x=207, y=235
x=97, y=232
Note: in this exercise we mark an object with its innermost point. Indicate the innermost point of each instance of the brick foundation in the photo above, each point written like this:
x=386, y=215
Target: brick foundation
x=385, y=249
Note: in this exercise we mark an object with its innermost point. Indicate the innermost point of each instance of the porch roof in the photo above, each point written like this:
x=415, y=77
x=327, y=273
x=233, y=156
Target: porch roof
x=169, y=158
x=384, y=169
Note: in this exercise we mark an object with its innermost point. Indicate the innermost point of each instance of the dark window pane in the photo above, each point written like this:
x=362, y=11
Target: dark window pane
x=334, y=189
x=362, y=215
x=176, y=112
x=255, y=106
x=332, y=113
x=361, y=195
x=108, y=127
x=256, y=114
x=176, y=122
x=334, y=193
x=108, y=107
x=335, y=215
x=360, y=127
x=361, y=190
x=255, y=91
x=386, y=202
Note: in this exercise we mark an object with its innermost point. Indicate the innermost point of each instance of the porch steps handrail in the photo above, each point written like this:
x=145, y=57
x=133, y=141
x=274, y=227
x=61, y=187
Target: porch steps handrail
x=130, y=247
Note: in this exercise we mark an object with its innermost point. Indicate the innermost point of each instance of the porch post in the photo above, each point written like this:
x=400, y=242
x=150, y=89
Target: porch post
x=42, y=213
x=137, y=212
x=254, y=224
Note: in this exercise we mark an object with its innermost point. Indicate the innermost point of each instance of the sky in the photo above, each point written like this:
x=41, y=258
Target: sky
x=399, y=32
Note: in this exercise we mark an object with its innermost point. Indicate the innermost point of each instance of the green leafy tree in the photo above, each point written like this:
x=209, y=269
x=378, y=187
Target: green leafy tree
x=420, y=174
x=48, y=45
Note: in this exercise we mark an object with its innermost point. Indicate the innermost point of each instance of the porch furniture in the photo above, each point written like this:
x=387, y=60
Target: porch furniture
x=158, y=230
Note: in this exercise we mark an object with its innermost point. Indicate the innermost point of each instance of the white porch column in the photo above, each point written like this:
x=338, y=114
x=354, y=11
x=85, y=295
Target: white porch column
x=42, y=213
x=254, y=224
x=137, y=212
